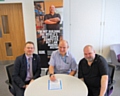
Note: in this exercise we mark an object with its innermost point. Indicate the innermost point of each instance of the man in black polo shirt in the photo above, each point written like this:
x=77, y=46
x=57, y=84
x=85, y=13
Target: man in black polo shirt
x=93, y=70
x=53, y=35
x=52, y=19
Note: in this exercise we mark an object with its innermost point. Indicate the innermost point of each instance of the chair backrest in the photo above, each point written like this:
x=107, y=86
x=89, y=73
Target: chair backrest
x=47, y=72
x=9, y=70
x=111, y=71
x=112, y=82
x=115, y=48
x=114, y=51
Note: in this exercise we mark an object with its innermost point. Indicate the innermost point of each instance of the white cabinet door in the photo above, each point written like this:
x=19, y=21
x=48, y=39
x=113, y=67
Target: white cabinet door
x=112, y=26
x=85, y=29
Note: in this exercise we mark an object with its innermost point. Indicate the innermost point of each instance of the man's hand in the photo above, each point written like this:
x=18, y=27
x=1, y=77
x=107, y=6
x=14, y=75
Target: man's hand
x=72, y=73
x=31, y=80
x=25, y=86
x=52, y=77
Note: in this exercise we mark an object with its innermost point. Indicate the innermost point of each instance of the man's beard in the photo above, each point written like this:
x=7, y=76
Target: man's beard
x=90, y=60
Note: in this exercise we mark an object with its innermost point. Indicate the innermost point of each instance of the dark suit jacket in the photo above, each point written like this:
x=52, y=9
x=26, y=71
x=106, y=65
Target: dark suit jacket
x=20, y=69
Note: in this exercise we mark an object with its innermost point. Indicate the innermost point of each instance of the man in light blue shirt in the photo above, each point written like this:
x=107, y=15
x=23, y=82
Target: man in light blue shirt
x=62, y=62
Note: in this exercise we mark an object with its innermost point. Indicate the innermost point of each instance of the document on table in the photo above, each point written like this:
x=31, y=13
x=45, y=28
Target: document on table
x=55, y=85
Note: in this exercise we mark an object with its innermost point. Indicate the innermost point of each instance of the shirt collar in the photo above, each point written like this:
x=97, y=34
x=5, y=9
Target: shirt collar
x=29, y=56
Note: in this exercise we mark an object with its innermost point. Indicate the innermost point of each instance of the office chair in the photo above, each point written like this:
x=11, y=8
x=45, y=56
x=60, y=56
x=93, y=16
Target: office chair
x=47, y=72
x=114, y=52
x=9, y=70
x=112, y=82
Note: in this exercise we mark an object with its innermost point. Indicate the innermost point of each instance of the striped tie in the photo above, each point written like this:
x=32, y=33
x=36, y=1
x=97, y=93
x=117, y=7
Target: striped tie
x=30, y=62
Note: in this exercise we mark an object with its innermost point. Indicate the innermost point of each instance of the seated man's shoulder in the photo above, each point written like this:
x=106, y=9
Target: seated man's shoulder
x=101, y=57
x=82, y=61
x=55, y=53
x=70, y=54
x=101, y=60
x=20, y=59
x=20, y=56
x=35, y=55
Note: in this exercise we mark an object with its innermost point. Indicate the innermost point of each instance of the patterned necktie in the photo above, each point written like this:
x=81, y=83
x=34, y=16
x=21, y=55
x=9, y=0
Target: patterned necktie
x=30, y=64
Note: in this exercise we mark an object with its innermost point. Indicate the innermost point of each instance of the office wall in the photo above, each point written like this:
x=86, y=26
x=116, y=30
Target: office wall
x=94, y=22
x=85, y=25
x=111, y=33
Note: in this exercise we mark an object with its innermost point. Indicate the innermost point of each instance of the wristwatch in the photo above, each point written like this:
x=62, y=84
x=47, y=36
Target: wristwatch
x=50, y=75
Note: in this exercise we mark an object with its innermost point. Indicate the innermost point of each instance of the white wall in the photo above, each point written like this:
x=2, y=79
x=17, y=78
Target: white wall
x=85, y=25
x=29, y=19
x=112, y=25
x=94, y=22
x=66, y=20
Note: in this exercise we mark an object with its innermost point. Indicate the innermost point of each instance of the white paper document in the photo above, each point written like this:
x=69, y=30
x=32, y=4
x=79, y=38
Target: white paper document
x=54, y=85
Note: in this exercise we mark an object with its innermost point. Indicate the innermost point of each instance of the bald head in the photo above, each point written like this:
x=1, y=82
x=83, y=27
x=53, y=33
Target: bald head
x=52, y=6
x=89, y=53
x=88, y=47
x=52, y=9
x=63, y=42
x=63, y=47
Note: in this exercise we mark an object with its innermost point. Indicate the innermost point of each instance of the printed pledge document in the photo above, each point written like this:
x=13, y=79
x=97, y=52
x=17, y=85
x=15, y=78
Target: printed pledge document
x=55, y=85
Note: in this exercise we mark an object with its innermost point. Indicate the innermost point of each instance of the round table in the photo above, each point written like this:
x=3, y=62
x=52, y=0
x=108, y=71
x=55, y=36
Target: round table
x=71, y=86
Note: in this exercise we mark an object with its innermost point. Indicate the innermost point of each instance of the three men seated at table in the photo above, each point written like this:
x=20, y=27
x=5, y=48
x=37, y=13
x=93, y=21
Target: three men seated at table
x=92, y=69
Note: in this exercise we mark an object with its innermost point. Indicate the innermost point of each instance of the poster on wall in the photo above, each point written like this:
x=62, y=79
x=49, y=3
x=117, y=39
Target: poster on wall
x=49, y=27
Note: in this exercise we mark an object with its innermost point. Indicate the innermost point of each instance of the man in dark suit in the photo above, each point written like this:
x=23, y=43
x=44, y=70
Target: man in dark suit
x=27, y=67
